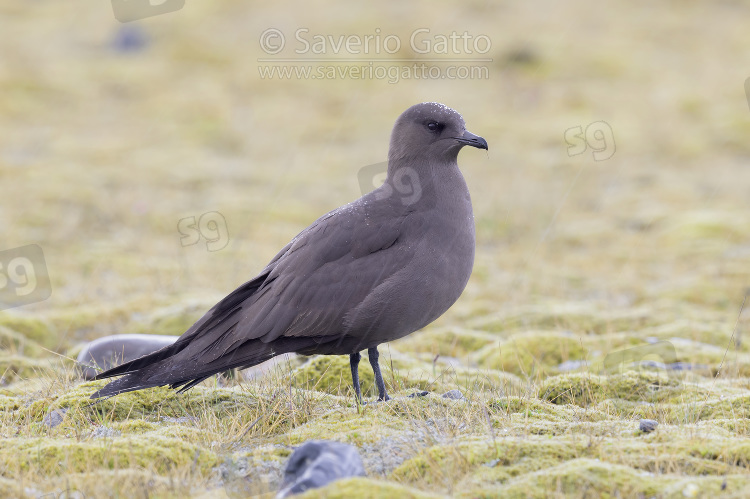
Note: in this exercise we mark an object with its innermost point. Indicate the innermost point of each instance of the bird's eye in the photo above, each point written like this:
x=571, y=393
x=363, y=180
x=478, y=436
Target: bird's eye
x=433, y=126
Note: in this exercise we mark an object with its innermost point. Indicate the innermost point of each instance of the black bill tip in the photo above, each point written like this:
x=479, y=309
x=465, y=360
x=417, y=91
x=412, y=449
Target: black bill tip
x=469, y=139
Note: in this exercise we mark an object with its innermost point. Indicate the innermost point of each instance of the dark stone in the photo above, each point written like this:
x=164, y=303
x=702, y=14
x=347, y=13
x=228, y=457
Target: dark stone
x=454, y=395
x=130, y=38
x=647, y=425
x=54, y=417
x=418, y=394
x=317, y=463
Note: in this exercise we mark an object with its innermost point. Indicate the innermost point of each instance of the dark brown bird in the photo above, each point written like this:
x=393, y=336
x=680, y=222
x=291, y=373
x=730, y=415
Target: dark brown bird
x=372, y=271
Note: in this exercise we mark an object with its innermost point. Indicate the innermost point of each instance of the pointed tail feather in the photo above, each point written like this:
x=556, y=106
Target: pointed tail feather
x=139, y=363
x=156, y=370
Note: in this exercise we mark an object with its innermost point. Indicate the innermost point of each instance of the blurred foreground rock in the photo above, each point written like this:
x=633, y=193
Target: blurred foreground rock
x=647, y=425
x=317, y=463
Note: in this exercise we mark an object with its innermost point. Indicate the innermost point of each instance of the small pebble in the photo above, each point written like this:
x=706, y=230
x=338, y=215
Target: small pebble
x=418, y=394
x=130, y=38
x=647, y=425
x=54, y=418
x=453, y=395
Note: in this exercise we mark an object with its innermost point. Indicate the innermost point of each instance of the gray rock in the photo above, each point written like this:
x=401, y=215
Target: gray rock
x=110, y=351
x=454, y=395
x=317, y=463
x=687, y=366
x=54, y=417
x=647, y=425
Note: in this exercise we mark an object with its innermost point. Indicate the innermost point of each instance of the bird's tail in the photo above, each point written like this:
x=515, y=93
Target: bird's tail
x=170, y=366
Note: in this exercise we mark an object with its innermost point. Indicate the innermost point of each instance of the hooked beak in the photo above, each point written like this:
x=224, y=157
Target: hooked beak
x=469, y=139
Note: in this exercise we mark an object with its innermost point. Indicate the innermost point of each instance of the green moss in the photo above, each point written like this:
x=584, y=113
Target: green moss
x=172, y=320
x=579, y=478
x=530, y=407
x=405, y=373
x=16, y=343
x=579, y=317
x=736, y=407
x=365, y=488
x=332, y=374
x=55, y=456
x=89, y=321
x=34, y=328
x=272, y=453
x=8, y=403
x=737, y=426
x=10, y=488
x=448, y=465
x=584, y=389
x=116, y=483
x=722, y=226
x=93, y=320
x=366, y=426
x=152, y=402
x=75, y=350
x=701, y=331
x=135, y=426
x=450, y=342
x=468, y=380
x=15, y=367
x=532, y=353
x=511, y=466
x=186, y=432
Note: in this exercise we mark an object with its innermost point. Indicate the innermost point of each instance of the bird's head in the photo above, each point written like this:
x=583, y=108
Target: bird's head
x=431, y=131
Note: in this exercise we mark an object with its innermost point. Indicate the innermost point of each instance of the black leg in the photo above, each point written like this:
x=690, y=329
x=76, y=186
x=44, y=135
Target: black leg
x=373, y=354
x=354, y=363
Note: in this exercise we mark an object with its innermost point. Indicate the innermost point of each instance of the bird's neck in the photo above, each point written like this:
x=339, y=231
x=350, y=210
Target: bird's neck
x=420, y=182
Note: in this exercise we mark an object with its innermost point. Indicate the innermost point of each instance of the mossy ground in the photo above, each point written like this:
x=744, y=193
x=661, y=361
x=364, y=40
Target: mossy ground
x=603, y=291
